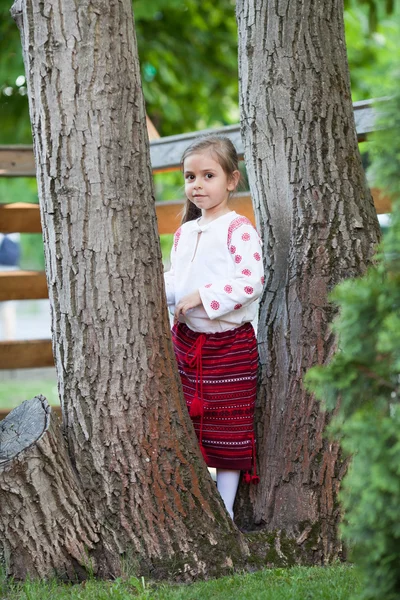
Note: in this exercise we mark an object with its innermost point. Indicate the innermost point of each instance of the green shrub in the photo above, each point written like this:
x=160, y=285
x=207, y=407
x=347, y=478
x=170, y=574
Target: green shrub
x=365, y=374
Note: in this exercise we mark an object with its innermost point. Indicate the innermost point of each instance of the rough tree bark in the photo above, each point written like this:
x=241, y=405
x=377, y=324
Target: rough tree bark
x=41, y=500
x=129, y=437
x=319, y=226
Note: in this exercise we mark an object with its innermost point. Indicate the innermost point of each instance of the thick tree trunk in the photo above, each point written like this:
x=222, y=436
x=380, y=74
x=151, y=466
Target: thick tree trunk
x=129, y=436
x=42, y=500
x=319, y=226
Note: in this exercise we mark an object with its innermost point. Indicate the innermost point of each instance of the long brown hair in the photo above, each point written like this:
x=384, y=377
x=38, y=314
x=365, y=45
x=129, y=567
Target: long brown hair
x=225, y=154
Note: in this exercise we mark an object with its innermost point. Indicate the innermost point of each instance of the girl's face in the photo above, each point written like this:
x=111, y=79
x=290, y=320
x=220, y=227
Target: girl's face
x=206, y=183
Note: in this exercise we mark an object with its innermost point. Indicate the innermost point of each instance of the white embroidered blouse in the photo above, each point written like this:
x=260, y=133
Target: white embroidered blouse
x=223, y=260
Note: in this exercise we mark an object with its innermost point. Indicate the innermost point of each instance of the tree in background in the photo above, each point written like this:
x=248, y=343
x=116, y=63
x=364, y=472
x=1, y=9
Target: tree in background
x=319, y=226
x=364, y=374
x=130, y=482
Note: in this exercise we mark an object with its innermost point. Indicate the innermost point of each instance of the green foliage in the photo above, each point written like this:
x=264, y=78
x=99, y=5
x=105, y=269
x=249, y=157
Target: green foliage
x=316, y=583
x=169, y=186
x=371, y=498
x=14, y=116
x=32, y=252
x=19, y=189
x=365, y=374
x=375, y=10
x=188, y=54
x=372, y=52
x=166, y=242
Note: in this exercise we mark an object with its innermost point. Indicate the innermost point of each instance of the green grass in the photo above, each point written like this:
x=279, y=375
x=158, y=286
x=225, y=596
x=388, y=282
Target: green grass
x=297, y=583
x=15, y=391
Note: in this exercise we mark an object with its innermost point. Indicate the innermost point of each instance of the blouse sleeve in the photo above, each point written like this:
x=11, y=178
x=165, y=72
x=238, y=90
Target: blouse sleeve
x=169, y=276
x=222, y=297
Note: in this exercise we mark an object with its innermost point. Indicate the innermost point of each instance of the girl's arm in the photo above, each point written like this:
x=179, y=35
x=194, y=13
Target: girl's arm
x=169, y=276
x=169, y=280
x=230, y=294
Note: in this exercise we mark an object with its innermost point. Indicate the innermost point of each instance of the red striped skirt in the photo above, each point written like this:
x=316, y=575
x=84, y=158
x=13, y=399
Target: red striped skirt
x=219, y=379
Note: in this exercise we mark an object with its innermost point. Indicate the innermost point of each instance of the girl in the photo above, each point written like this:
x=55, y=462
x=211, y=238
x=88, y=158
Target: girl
x=216, y=275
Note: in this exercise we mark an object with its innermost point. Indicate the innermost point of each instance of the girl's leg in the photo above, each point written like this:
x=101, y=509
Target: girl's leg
x=227, y=485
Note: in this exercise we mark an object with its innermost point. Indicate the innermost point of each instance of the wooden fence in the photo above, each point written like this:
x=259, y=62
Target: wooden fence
x=18, y=161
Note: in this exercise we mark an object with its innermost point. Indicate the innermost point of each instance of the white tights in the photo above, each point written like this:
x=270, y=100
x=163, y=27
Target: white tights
x=227, y=485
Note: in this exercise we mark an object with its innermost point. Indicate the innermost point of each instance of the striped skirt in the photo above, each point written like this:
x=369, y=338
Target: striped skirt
x=219, y=379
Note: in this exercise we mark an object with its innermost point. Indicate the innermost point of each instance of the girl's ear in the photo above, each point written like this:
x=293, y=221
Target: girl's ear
x=233, y=181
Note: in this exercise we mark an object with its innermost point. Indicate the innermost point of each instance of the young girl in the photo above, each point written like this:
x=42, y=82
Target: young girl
x=216, y=275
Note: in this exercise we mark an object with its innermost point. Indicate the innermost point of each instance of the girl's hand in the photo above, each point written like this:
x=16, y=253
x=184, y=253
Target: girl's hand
x=186, y=303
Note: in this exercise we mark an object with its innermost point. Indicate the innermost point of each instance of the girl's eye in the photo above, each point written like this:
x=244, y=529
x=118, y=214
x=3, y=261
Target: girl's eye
x=189, y=177
x=209, y=175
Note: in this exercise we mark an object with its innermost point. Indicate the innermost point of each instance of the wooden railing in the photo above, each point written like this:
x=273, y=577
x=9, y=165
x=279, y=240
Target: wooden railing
x=18, y=161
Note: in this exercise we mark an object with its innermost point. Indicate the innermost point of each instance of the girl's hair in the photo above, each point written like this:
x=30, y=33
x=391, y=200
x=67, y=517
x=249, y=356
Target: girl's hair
x=224, y=153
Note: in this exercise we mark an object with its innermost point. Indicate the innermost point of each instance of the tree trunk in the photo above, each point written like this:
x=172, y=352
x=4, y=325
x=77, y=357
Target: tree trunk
x=129, y=435
x=319, y=226
x=41, y=498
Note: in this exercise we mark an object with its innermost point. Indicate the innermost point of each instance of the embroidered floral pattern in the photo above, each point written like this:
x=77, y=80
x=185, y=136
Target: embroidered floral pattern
x=232, y=249
x=176, y=237
x=238, y=259
x=263, y=279
x=228, y=289
x=235, y=224
x=248, y=289
x=246, y=272
x=214, y=305
x=237, y=306
x=208, y=285
x=246, y=237
x=257, y=256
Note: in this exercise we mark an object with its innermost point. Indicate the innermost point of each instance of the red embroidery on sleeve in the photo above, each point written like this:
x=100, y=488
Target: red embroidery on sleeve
x=257, y=256
x=238, y=258
x=246, y=272
x=176, y=237
x=237, y=306
x=208, y=285
x=249, y=290
x=233, y=249
x=235, y=224
x=246, y=237
x=214, y=305
x=228, y=289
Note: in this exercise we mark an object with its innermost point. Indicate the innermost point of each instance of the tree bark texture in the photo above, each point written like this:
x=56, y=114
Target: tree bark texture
x=319, y=226
x=129, y=435
x=45, y=523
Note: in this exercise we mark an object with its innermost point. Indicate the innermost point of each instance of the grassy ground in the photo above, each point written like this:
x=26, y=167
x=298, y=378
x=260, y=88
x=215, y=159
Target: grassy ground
x=15, y=390
x=298, y=583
